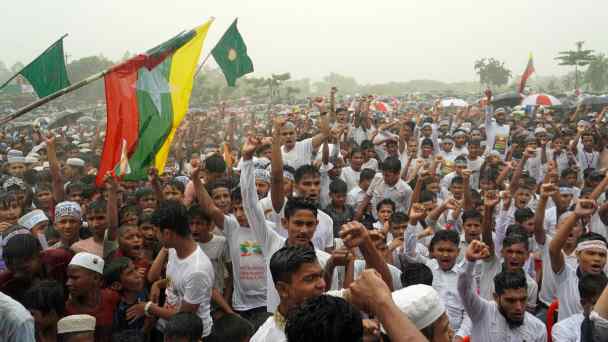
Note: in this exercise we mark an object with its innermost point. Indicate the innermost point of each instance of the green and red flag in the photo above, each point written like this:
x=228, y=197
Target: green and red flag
x=230, y=53
x=47, y=73
x=529, y=71
x=147, y=97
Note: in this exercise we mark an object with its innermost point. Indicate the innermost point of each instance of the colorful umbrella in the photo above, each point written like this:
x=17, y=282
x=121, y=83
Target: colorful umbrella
x=540, y=100
x=379, y=106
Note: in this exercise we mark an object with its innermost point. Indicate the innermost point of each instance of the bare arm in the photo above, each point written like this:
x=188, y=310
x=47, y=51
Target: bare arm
x=277, y=196
x=539, y=214
x=489, y=202
x=155, y=183
x=57, y=178
x=318, y=139
x=112, y=207
x=205, y=201
x=157, y=266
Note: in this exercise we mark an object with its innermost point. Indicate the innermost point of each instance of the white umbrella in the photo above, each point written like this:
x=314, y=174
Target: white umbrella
x=454, y=103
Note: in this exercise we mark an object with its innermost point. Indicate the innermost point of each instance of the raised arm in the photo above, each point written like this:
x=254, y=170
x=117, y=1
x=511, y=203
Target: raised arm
x=318, y=139
x=57, y=178
x=277, y=196
x=204, y=200
x=154, y=181
x=112, y=206
x=519, y=170
x=584, y=207
x=474, y=306
x=546, y=191
x=489, y=203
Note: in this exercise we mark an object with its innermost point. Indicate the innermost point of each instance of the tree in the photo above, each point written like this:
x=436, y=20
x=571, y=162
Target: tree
x=597, y=73
x=492, y=72
x=17, y=67
x=345, y=84
x=83, y=68
x=577, y=58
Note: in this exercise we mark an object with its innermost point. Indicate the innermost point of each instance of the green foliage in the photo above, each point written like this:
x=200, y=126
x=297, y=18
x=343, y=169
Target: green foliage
x=492, y=72
x=597, y=73
x=83, y=68
x=577, y=58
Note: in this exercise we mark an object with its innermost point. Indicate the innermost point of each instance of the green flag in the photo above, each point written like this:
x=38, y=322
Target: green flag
x=47, y=73
x=231, y=55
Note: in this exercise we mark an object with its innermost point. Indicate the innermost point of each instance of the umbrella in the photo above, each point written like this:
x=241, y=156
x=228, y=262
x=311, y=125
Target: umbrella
x=65, y=118
x=597, y=103
x=507, y=100
x=540, y=100
x=454, y=103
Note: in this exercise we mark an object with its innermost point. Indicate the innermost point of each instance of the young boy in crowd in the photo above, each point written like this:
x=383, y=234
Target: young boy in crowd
x=121, y=276
x=352, y=173
x=173, y=190
x=67, y=223
x=150, y=234
x=357, y=194
x=339, y=211
x=385, y=210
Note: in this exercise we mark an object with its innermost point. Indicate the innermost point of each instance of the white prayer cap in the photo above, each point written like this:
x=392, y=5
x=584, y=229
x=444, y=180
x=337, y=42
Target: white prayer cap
x=420, y=303
x=76, y=323
x=89, y=261
x=540, y=130
x=85, y=150
x=75, y=162
x=31, y=160
x=31, y=219
x=14, y=153
x=262, y=175
x=68, y=208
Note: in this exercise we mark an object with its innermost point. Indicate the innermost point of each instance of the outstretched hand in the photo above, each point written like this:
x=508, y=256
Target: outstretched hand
x=250, y=146
x=477, y=250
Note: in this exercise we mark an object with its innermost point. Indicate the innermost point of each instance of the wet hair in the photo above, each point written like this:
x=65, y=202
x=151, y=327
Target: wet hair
x=184, y=325
x=471, y=214
x=445, y=235
x=172, y=215
x=414, y=273
x=215, y=164
x=590, y=236
x=523, y=214
x=367, y=174
x=515, y=238
x=294, y=204
x=287, y=260
x=324, y=319
x=590, y=286
x=306, y=170
x=509, y=280
x=231, y=328
x=386, y=201
x=427, y=196
x=399, y=218
x=338, y=186
x=46, y=296
x=391, y=164
x=21, y=246
x=195, y=211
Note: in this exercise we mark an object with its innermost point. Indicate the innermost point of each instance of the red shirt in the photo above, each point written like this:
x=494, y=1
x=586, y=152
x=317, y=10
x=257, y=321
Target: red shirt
x=103, y=313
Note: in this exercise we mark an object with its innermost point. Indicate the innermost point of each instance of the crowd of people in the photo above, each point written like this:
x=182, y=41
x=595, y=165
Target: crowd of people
x=329, y=222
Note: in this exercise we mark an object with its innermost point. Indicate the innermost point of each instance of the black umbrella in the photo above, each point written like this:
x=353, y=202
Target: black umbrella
x=507, y=100
x=63, y=119
x=597, y=103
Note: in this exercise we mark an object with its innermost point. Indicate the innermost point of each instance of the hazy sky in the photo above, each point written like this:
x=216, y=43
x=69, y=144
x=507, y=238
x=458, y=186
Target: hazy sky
x=374, y=41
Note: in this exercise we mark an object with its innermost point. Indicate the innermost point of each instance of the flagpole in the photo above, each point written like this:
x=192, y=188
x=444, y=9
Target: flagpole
x=43, y=52
x=53, y=96
x=203, y=63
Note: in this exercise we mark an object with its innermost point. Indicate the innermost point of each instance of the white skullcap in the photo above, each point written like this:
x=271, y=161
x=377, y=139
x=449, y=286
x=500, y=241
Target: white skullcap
x=89, y=261
x=420, y=303
x=75, y=162
x=76, y=323
x=15, y=159
x=262, y=175
x=68, y=208
x=31, y=219
x=31, y=160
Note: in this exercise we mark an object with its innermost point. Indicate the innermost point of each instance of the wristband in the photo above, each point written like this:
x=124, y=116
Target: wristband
x=147, y=309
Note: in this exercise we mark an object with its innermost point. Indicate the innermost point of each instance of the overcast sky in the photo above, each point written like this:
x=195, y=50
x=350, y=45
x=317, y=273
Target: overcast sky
x=374, y=41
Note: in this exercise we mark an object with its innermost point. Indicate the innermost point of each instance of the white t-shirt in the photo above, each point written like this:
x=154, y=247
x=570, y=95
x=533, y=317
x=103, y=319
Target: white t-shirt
x=216, y=250
x=248, y=266
x=269, y=332
x=300, y=155
x=191, y=280
x=351, y=177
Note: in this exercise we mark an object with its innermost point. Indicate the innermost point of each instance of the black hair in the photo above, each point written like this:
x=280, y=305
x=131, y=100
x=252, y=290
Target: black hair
x=515, y=228
x=73, y=186
x=507, y=280
x=172, y=215
x=427, y=196
x=367, y=144
x=367, y=174
x=471, y=214
x=236, y=195
x=230, y=328
x=457, y=180
x=445, y=235
x=414, y=273
x=177, y=184
x=45, y=296
x=338, y=186
x=113, y=270
x=391, y=164
x=515, y=238
x=306, y=170
x=399, y=218
x=145, y=218
x=215, y=164
x=324, y=319
x=6, y=198
x=218, y=183
x=99, y=205
x=355, y=149
x=386, y=201
x=184, y=324
x=524, y=214
x=590, y=236
x=295, y=203
x=143, y=192
x=122, y=213
x=195, y=211
x=590, y=286
x=21, y=246
x=287, y=260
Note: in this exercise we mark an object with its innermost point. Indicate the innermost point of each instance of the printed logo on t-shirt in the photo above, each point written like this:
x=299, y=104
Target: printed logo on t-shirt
x=250, y=248
x=500, y=144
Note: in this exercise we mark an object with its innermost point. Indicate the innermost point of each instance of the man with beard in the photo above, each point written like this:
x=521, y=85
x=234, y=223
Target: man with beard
x=505, y=318
x=497, y=132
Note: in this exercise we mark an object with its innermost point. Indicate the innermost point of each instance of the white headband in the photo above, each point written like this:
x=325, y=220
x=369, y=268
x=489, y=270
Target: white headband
x=566, y=191
x=591, y=244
